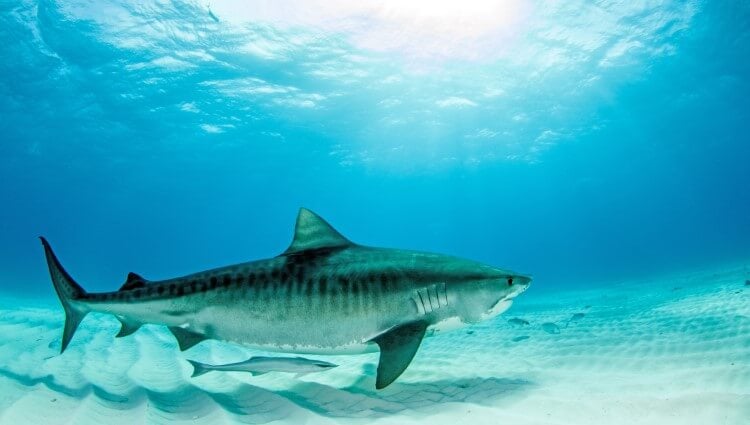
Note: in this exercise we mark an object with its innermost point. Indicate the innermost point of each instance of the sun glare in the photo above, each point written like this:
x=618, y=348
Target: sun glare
x=466, y=17
x=417, y=28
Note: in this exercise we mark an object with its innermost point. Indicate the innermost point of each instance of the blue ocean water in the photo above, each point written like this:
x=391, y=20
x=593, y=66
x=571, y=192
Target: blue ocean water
x=577, y=142
x=584, y=143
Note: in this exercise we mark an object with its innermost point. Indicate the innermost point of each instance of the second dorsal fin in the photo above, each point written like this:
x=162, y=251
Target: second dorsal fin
x=133, y=281
x=312, y=232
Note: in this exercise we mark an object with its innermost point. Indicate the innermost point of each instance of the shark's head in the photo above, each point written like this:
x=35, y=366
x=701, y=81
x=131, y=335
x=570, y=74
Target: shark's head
x=481, y=292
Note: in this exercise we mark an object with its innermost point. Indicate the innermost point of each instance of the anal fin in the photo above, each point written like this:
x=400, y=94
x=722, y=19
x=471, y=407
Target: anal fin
x=186, y=338
x=398, y=346
x=127, y=328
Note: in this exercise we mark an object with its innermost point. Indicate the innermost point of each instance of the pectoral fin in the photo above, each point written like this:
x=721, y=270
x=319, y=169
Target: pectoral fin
x=186, y=338
x=398, y=346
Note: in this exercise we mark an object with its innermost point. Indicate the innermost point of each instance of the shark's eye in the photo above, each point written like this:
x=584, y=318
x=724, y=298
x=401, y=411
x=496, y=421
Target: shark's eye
x=510, y=281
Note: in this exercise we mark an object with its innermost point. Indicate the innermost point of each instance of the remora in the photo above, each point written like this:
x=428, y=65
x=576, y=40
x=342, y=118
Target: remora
x=323, y=295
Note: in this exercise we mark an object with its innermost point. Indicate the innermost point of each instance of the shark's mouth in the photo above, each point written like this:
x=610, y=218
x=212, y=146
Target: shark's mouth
x=501, y=306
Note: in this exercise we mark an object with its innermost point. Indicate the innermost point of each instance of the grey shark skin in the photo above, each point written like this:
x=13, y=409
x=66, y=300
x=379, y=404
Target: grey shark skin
x=323, y=295
x=261, y=365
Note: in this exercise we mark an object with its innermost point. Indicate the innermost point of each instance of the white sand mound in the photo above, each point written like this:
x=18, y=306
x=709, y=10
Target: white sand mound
x=673, y=351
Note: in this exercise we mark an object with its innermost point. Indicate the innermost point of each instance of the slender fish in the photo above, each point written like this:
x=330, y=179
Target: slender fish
x=260, y=365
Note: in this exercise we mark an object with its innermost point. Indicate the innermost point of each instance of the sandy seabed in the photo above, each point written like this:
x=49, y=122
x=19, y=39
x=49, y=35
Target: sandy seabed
x=666, y=351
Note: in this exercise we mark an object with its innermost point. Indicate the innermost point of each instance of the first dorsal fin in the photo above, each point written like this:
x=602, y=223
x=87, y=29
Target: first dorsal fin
x=133, y=281
x=312, y=232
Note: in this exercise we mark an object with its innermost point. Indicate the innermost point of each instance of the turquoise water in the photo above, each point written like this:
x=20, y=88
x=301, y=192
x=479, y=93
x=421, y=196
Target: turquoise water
x=586, y=144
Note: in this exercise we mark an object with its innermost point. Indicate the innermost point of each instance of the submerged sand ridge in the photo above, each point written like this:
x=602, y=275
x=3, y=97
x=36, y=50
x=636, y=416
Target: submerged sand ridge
x=669, y=351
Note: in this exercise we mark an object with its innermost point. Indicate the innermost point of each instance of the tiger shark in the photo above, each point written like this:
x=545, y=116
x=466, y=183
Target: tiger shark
x=323, y=295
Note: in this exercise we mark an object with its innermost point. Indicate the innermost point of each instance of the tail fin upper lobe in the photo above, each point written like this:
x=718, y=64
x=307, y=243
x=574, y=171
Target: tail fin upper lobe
x=69, y=293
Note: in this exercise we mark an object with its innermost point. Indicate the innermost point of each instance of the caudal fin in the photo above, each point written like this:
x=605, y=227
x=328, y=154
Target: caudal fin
x=69, y=293
x=199, y=368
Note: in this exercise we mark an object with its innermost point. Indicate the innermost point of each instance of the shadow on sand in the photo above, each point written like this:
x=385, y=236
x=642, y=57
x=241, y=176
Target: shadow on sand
x=256, y=405
x=362, y=400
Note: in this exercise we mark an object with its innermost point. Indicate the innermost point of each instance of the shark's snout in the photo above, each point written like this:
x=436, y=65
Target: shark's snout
x=518, y=284
x=523, y=281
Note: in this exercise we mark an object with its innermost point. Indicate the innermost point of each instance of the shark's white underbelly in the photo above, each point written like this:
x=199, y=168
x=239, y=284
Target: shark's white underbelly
x=290, y=333
x=266, y=326
x=353, y=348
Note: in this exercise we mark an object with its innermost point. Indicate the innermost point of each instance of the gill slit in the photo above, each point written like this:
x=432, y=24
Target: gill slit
x=424, y=307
